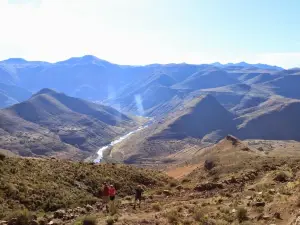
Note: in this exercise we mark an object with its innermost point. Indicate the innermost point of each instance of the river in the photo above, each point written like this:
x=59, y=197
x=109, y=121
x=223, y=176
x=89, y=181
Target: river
x=122, y=138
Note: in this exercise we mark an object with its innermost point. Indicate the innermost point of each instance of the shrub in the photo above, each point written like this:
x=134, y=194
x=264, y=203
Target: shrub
x=173, y=217
x=173, y=184
x=209, y=164
x=2, y=156
x=22, y=217
x=89, y=220
x=110, y=221
x=198, y=215
x=187, y=222
x=241, y=214
x=281, y=177
x=156, y=207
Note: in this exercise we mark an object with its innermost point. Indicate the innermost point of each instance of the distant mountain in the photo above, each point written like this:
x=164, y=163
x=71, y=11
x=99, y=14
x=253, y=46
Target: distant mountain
x=94, y=79
x=287, y=86
x=52, y=123
x=247, y=65
x=207, y=79
x=275, y=119
x=10, y=94
x=203, y=116
x=201, y=122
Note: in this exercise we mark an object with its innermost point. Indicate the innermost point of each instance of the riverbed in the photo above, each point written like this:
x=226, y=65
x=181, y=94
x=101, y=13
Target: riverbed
x=120, y=139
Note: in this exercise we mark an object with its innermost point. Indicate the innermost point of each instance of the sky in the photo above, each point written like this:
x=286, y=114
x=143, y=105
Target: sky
x=139, y=32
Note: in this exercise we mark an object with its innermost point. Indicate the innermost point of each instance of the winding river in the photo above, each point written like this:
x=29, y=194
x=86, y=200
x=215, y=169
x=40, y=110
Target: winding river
x=120, y=139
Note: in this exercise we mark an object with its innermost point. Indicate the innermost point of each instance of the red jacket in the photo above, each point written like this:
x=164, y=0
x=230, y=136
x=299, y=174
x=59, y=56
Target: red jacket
x=106, y=191
x=112, y=191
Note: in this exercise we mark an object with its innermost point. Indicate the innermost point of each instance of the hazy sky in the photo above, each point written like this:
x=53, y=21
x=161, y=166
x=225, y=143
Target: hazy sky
x=152, y=31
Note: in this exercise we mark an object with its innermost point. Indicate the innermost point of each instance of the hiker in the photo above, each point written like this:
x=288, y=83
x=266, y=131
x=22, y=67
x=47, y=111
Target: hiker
x=112, y=196
x=105, y=196
x=138, y=195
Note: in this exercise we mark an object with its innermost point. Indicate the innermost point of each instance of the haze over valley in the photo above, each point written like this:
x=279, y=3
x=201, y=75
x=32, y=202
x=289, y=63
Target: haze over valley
x=149, y=112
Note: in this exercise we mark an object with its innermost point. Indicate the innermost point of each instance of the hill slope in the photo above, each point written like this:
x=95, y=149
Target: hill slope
x=10, y=94
x=49, y=122
x=275, y=119
x=49, y=184
x=201, y=122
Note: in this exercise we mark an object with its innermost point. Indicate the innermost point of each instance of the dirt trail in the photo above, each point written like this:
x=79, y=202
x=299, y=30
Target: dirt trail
x=180, y=172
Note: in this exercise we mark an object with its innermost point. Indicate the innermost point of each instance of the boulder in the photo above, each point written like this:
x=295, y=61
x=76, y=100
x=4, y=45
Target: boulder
x=167, y=192
x=208, y=186
x=89, y=208
x=59, y=214
x=259, y=204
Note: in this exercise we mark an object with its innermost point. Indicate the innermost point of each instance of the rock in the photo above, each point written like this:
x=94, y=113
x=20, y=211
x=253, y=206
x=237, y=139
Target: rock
x=208, y=186
x=179, y=188
x=233, y=139
x=259, y=204
x=55, y=222
x=42, y=221
x=33, y=222
x=233, y=211
x=259, y=193
x=12, y=221
x=277, y=215
x=272, y=191
x=266, y=217
x=89, y=208
x=251, y=189
x=249, y=197
x=80, y=210
x=59, y=213
x=167, y=192
x=3, y=222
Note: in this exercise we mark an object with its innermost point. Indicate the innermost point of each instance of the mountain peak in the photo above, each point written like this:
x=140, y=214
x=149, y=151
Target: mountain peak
x=45, y=91
x=15, y=60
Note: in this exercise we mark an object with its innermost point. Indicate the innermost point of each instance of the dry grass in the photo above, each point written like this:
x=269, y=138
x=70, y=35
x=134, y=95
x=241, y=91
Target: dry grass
x=50, y=184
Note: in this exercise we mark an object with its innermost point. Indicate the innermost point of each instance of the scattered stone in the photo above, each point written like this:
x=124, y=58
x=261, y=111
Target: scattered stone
x=208, y=186
x=42, y=221
x=55, y=222
x=89, y=208
x=80, y=210
x=12, y=221
x=277, y=215
x=249, y=197
x=233, y=139
x=33, y=222
x=59, y=213
x=272, y=191
x=266, y=217
x=167, y=192
x=259, y=204
x=179, y=188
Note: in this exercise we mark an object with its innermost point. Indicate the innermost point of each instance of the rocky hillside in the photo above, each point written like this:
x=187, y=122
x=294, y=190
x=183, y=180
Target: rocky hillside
x=52, y=123
x=231, y=182
x=46, y=185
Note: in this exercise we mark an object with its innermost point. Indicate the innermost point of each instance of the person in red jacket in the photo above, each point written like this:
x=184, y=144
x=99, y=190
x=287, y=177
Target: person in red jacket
x=105, y=195
x=112, y=195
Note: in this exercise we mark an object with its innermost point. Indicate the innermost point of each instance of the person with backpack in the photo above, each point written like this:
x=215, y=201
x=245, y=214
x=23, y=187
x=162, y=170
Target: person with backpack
x=105, y=196
x=112, y=195
x=138, y=195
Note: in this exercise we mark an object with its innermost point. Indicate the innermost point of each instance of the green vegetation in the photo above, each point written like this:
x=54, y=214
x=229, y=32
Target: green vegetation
x=50, y=184
x=241, y=214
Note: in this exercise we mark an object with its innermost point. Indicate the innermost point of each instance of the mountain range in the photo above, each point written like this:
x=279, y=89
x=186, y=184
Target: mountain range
x=83, y=103
x=52, y=123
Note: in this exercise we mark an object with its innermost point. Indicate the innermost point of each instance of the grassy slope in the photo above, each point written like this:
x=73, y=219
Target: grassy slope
x=50, y=184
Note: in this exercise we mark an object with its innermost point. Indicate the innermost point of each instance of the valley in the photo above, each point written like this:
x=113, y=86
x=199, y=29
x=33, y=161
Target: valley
x=209, y=143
